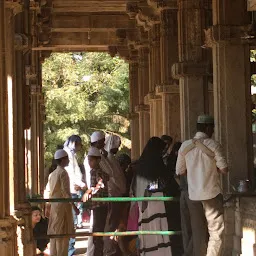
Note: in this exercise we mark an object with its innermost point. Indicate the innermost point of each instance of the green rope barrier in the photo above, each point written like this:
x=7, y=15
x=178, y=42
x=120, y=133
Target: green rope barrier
x=126, y=233
x=104, y=199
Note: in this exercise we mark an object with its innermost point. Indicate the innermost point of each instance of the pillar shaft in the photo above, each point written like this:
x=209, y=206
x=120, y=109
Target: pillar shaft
x=134, y=101
x=4, y=180
x=232, y=85
x=12, y=111
x=191, y=70
x=142, y=109
x=169, y=55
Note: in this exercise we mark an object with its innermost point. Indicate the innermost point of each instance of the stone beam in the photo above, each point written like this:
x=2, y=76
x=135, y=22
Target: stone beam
x=90, y=38
x=84, y=23
x=72, y=48
x=79, y=6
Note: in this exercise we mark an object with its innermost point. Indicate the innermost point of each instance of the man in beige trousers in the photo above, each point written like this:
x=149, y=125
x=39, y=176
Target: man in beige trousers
x=202, y=160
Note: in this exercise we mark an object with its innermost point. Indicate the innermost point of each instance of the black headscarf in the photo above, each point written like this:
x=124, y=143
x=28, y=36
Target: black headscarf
x=150, y=164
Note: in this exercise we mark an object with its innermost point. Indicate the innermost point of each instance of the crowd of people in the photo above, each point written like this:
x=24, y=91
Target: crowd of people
x=189, y=171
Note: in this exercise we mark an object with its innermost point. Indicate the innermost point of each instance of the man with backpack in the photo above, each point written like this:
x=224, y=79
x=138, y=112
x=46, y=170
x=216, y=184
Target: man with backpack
x=202, y=160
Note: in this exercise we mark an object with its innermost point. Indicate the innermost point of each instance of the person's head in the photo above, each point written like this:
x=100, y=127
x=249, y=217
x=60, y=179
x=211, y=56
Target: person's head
x=124, y=161
x=98, y=140
x=112, y=144
x=168, y=141
x=36, y=214
x=150, y=164
x=94, y=157
x=74, y=142
x=175, y=148
x=205, y=124
x=61, y=158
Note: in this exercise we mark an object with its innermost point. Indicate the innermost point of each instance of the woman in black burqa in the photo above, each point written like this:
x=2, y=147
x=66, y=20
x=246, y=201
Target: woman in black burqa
x=148, y=181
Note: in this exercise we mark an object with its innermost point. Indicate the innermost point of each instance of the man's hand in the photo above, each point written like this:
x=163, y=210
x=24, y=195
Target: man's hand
x=223, y=171
x=87, y=195
x=77, y=188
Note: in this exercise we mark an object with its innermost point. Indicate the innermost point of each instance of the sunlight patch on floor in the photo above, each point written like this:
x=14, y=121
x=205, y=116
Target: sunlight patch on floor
x=81, y=243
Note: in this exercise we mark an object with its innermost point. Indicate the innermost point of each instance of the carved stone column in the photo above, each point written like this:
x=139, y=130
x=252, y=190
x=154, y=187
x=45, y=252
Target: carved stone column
x=12, y=99
x=231, y=88
x=169, y=56
x=4, y=179
x=142, y=109
x=134, y=101
x=192, y=68
x=155, y=101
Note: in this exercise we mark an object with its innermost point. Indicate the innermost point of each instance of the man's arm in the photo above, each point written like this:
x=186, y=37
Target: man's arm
x=181, y=168
x=220, y=159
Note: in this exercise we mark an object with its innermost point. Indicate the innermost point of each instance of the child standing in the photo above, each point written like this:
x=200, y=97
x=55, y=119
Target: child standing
x=99, y=186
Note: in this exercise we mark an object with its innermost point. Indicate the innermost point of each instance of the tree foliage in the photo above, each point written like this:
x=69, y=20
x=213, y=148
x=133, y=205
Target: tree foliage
x=84, y=92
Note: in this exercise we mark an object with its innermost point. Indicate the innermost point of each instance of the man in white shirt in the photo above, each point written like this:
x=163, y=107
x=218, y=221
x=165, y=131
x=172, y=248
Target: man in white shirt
x=202, y=160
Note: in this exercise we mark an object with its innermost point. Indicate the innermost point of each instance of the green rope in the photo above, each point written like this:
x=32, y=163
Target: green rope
x=126, y=233
x=104, y=199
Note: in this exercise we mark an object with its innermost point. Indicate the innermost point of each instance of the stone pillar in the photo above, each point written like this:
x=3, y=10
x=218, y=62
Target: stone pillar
x=7, y=223
x=134, y=100
x=155, y=101
x=232, y=101
x=192, y=68
x=12, y=99
x=168, y=88
x=4, y=179
x=142, y=109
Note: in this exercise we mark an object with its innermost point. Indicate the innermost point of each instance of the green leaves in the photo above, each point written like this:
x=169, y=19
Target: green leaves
x=84, y=92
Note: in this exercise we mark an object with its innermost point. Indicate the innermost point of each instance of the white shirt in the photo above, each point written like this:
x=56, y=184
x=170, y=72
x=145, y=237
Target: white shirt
x=74, y=172
x=203, y=177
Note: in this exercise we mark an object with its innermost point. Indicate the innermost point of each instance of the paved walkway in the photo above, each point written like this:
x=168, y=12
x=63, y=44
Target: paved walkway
x=81, y=243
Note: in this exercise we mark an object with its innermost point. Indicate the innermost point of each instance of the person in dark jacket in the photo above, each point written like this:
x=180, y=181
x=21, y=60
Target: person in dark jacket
x=40, y=225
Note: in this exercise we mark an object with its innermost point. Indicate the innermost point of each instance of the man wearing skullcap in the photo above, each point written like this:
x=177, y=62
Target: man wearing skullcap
x=97, y=141
x=202, y=160
x=117, y=188
x=99, y=188
x=61, y=219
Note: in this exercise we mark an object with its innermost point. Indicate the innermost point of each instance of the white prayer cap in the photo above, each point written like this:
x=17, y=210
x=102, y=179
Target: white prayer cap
x=60, y=153
x=112, y=141
x=96, y=136
x=94, y=152
x=205, y=119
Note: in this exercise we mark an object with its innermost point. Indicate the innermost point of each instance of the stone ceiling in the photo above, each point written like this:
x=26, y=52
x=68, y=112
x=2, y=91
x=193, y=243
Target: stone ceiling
x=87, y=25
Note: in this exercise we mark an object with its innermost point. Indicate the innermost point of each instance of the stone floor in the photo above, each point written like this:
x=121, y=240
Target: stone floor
x=81, y=243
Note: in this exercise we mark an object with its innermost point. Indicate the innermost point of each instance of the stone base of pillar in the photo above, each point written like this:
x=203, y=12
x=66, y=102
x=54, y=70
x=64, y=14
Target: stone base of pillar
x=26, y=243
x=8, y=235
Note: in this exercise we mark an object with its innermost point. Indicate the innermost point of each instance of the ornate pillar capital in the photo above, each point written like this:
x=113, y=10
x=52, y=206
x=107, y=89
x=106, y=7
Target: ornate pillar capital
x=141, y=108
x=21, y=42
x=133, y=115
x=166, y=4
x=190, y=69
x=164, y=89
x=16, y=7
x=227, y=34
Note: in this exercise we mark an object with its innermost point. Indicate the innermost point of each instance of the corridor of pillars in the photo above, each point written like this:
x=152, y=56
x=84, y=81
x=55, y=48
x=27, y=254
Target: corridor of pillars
x=185, y=58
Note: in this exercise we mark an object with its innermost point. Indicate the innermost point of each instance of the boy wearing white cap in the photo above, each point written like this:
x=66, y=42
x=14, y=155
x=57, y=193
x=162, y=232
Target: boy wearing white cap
x=202, y=160
x=61, y=219
x=99, y=187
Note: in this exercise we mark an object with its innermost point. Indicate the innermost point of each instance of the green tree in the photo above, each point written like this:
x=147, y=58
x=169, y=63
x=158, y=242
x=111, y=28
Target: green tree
x=84, y=92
